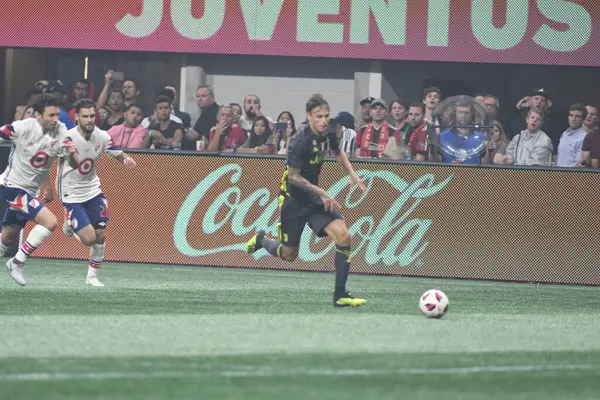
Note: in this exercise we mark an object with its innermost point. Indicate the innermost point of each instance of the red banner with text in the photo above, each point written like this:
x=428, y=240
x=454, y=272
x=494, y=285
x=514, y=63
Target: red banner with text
x=555, y=32
x=421, y=220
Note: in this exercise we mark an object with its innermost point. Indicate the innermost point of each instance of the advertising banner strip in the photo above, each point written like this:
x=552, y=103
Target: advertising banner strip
x=553, y=32
x=417, y=220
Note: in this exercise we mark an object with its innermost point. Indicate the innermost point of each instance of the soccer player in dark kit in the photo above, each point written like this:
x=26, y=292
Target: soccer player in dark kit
x=302, y=201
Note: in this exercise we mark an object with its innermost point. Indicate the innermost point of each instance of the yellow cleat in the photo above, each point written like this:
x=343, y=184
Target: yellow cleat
x=347, y=300
x=253, y=244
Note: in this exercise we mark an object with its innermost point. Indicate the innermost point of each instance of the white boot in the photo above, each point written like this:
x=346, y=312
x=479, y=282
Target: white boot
x=92, y=278
x=16, y=271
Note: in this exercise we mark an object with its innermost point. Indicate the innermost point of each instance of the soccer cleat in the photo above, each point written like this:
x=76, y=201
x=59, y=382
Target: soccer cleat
x=16, y=271
x=67, y=229
x=347, y=300
x=253, y=244
x=93, y=281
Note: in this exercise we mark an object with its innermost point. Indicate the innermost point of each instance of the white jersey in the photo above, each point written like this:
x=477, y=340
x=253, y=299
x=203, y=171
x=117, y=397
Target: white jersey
x=32, y=154
x=82, y=184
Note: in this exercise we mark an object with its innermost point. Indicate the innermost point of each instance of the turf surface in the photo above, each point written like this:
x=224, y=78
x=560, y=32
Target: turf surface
x=157, y=332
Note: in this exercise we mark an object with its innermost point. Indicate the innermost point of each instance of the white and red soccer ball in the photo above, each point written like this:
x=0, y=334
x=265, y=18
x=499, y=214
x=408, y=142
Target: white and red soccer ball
x=434, y=303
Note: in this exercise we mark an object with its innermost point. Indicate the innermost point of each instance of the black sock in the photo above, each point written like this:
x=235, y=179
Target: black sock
x=272, y=246
x=342, y=268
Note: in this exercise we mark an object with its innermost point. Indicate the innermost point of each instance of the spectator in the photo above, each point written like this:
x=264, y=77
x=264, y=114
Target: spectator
x=18, y=112
x=57, y=89
x=252, y=109
x=225, y=136
x=165, y=133
x=260, y=140
x=346, y=133
x=115, y=105
x=205, y=99
x=419, y=140
x=171, y=92
x=83, y=89
x=399, y=112
x=103, y=114
x=131, y=92
x=538, y=101
x=496, y=146
x=431, y=98
x=591, y=121
x=492, y=105
x=461, y=138
x=372, y=139
x=571, y=141
x=163, y=93
x=131, y=134
x=237, y=113
x=365, y=111
x=282, y=138
x=24, y=113
x=480, y=97
x=532, y=146
x=590, y=151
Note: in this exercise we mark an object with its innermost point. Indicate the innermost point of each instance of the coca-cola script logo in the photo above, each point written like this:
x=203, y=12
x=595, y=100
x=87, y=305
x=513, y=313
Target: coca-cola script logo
x=405, y=241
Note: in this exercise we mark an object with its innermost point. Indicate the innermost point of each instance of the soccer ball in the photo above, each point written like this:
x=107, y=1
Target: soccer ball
x=433, y=303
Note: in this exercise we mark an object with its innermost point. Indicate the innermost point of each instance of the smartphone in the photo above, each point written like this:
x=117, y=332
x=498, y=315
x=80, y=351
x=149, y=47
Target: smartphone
x=281, y=126
x=118, y=76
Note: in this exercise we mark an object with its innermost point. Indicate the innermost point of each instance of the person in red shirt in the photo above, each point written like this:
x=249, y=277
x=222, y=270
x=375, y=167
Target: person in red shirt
x=590, y=151
x=372, y=138
x=418, y=144
x=224, y=136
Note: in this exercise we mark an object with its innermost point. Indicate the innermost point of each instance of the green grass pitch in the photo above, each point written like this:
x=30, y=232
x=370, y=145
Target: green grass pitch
x=168, y=332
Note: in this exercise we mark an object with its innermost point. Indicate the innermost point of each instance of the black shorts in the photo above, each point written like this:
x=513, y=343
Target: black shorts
x=294, y=216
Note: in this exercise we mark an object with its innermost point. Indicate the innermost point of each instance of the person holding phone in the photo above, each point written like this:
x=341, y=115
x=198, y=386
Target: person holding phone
x=285, y=128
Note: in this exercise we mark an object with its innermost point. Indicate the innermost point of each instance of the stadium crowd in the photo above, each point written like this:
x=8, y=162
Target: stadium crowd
x=528, y=133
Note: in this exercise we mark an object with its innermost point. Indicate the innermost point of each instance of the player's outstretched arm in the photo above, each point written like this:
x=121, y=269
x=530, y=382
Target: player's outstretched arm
x=294, y=178
x=126, y=160
x=342, y=158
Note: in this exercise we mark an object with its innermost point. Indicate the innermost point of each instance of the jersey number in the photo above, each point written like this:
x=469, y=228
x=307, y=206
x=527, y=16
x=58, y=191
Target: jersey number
x=103, y=212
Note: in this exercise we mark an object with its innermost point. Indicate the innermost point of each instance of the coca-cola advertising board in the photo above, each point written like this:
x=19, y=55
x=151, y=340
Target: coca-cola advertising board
x=420, y=220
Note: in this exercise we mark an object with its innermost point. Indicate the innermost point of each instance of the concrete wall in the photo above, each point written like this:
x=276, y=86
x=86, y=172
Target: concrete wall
x=282, y=83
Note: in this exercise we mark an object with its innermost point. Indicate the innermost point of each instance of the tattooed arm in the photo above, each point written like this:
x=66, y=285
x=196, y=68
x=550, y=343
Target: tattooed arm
x=294, y=178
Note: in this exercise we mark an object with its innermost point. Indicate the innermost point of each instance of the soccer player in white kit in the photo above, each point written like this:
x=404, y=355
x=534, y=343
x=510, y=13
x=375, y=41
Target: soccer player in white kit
x=37, y=142
x=78, y=185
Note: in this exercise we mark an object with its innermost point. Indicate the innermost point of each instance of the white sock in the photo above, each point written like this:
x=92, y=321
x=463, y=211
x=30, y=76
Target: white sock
x=3, y=248
x=96, y=257
x=34, y=240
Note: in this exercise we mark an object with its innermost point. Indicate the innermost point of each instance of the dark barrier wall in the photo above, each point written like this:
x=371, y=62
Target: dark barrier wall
x=421, y=220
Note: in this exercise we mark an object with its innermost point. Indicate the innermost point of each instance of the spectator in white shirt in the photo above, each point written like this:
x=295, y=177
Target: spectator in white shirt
x=532, y=146
x=571, y=141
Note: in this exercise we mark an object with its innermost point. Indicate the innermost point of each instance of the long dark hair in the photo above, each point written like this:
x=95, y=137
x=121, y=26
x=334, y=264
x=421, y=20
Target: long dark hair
x=256, y=140
x=292, y=120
